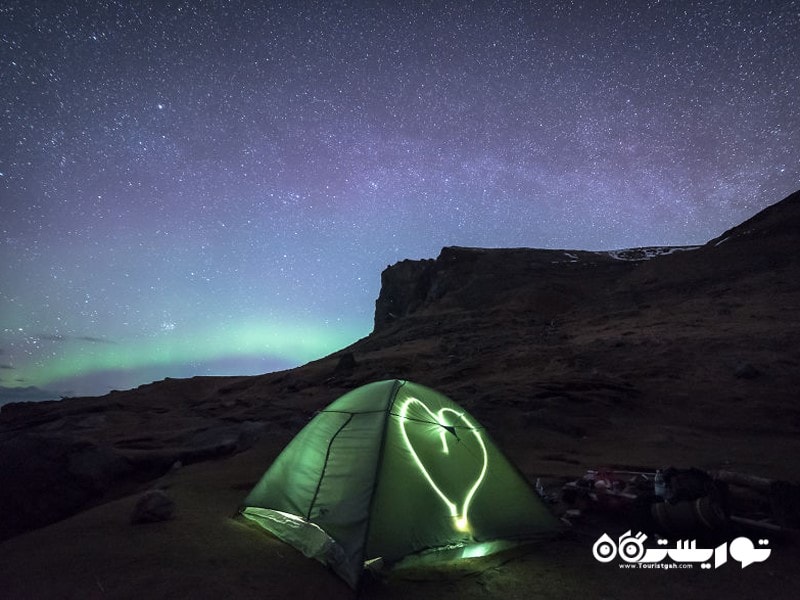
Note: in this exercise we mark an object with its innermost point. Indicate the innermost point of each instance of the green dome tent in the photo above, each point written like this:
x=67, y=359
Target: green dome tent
x=390, y=469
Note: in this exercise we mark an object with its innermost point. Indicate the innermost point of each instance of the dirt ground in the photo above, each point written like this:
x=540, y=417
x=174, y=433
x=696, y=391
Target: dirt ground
x=205, y=553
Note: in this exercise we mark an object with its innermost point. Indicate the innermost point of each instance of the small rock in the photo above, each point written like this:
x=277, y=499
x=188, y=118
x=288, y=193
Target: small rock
x=746, y=371
x=153, y=506
x=347, y=362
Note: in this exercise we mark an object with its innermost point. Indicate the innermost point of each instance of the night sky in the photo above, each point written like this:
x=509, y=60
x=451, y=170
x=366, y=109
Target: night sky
x=191, y=188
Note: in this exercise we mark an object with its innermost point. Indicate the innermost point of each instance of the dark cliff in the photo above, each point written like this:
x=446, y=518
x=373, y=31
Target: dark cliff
x=547, y=282
x=554, y=282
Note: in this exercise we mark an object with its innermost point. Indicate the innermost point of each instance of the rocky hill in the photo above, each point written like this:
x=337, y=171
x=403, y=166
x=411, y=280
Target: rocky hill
x=571, y=359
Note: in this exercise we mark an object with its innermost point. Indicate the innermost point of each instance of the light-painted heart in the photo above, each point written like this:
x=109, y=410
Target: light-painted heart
x=446, y=426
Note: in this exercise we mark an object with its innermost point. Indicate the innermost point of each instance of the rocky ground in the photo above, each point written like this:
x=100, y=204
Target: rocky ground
x=572, y=360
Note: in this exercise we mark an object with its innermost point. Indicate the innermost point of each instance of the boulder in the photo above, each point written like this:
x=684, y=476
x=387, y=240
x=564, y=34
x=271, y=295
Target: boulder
x=153, y=506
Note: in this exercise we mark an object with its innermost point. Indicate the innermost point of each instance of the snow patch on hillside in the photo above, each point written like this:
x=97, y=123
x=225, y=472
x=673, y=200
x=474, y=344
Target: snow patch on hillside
x=639, y=254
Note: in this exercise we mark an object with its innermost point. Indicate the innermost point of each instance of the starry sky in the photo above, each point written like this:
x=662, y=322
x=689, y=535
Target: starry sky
x=197, y=187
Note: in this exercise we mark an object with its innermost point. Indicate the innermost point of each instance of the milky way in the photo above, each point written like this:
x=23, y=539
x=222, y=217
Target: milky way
x=201, y=187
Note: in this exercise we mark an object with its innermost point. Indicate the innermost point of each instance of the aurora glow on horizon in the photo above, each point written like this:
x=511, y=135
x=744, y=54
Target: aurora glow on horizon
x=197, y=187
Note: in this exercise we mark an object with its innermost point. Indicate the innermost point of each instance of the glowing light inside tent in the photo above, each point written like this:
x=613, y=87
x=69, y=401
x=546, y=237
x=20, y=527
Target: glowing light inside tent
x=478, y=550
x=461, y=519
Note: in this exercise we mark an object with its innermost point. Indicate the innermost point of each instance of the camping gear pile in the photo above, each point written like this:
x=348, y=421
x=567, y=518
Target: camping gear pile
x=687, y=501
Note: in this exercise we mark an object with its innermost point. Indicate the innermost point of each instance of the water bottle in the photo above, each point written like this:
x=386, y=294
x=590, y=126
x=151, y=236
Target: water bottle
x=660, y=486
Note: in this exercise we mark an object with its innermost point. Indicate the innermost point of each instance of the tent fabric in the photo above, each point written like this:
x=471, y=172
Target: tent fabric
x=390, y=469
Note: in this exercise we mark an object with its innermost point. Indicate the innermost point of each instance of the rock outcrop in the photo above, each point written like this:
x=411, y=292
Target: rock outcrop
x=404, y=287
x=48, y=477
x=552, y=282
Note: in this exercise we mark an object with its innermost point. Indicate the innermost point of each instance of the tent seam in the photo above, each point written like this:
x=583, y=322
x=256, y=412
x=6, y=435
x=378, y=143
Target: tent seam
x=325, y=466
x=375, y=479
